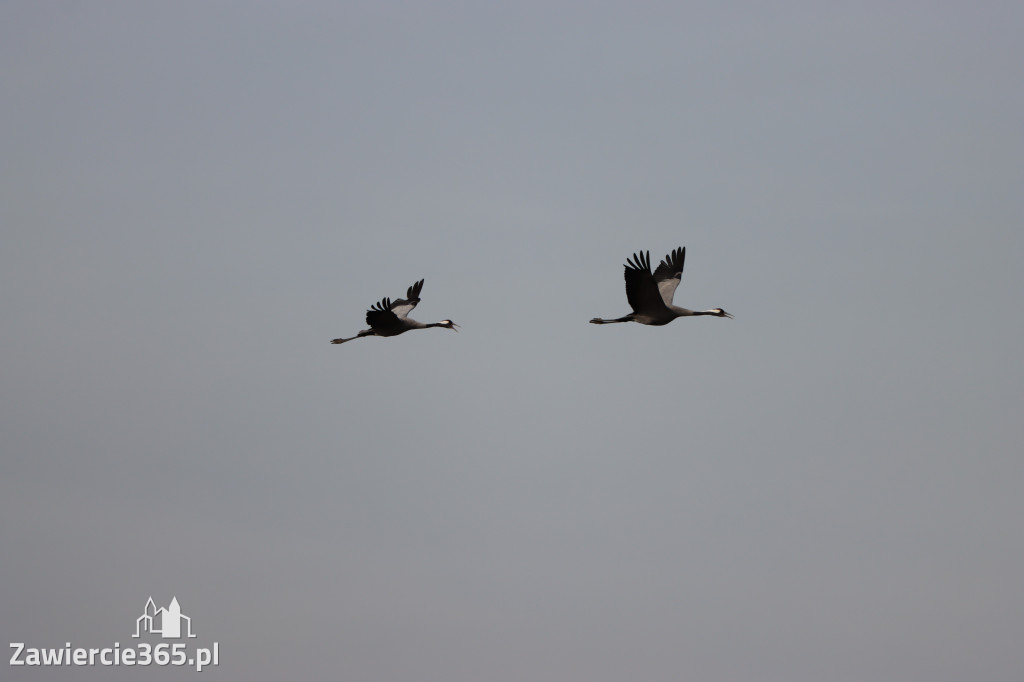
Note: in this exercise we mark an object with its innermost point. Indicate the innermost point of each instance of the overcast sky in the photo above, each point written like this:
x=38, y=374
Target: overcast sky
x=196, y=197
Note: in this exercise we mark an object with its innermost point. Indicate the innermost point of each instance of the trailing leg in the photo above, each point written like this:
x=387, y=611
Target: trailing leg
x=598, y=320
x=365, y=332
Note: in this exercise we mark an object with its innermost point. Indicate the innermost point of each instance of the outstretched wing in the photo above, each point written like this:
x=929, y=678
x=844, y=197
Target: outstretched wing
x=668, y=274
x=403, y=306
x=641, y=289
x=380, y=316
x=387, y=314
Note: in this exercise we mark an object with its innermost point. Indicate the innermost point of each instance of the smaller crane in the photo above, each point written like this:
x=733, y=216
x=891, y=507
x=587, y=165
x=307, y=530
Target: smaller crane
x=389, y=318
x=650, y=295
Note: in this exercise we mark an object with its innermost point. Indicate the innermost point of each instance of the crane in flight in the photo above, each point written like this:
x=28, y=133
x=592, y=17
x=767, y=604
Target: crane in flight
x=650, y=295
x=390, y=318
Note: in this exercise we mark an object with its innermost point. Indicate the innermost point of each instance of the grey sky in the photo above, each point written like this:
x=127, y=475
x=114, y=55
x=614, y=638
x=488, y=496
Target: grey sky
x=196, y=197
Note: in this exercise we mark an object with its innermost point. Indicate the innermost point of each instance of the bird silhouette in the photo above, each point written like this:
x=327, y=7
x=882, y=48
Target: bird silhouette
x=390, y=318
x=650, y=295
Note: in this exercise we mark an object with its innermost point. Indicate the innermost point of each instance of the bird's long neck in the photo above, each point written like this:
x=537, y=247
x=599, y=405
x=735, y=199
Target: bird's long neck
x=685, y=312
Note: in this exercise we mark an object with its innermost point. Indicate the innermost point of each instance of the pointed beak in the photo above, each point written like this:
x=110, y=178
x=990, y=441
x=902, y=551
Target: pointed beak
x=726, y=314
x=455, y=327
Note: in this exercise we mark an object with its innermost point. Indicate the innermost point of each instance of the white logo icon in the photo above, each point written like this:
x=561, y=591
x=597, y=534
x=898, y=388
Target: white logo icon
x=165, y=622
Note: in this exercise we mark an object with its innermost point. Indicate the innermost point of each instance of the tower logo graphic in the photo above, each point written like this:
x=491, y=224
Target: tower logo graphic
x=165, y=622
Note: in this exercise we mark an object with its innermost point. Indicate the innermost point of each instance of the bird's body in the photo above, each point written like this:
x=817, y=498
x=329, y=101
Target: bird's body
x=650, y=294
x=389, y=318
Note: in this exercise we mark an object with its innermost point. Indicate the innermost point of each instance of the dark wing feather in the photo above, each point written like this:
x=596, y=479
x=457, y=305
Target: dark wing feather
x=414, y=291
x=380, y=315
x=641, y=290
x=669, y=273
